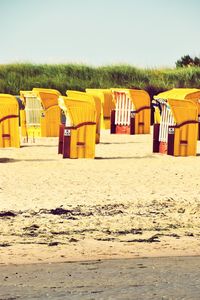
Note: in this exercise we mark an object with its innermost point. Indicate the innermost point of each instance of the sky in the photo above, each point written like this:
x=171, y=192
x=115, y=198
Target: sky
x=142, y=33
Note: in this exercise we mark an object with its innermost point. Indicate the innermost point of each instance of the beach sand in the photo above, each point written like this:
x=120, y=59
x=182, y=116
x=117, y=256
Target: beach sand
x=125, y=203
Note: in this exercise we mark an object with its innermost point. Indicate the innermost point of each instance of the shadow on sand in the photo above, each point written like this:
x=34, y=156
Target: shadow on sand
x=125, y=157
x=119, y=143
x=36, y=145
x=12, y=160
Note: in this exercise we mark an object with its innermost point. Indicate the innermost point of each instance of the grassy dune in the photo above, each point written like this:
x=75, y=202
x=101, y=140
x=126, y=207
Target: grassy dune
x=16, y=77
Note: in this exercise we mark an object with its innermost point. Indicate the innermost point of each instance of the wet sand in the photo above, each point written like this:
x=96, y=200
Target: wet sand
x=147, y=278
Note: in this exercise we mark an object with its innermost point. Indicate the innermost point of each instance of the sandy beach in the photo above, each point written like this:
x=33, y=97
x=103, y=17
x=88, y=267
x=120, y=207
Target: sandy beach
x=126, y=203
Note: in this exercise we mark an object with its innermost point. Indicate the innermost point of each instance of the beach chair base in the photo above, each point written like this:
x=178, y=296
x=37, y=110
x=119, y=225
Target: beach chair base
x=179, y=142
x=122, y=129
x=71, y=147
x=134, y=126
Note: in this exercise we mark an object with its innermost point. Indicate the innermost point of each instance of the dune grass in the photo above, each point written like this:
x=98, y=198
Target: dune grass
x=25, y=76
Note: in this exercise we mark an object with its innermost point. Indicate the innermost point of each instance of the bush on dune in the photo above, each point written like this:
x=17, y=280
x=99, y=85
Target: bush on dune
x=16, y=77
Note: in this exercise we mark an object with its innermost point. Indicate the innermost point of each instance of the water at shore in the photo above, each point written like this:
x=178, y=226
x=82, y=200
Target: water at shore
x=144, y=278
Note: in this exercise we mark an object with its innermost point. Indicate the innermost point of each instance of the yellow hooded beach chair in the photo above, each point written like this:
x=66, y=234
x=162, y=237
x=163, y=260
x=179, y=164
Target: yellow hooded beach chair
x=93, y=99
x=132, y=111
x=176, y=134
x=181, y=94
x=51, y=114
x=77, y=136
x=9, y=121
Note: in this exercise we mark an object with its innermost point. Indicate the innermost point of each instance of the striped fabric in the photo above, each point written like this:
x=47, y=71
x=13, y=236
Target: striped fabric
x=123, y=109
x=167, y=120
x=33, y=110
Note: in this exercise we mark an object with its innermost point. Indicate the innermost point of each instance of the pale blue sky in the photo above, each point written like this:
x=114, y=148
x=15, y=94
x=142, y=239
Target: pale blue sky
x=143, y=33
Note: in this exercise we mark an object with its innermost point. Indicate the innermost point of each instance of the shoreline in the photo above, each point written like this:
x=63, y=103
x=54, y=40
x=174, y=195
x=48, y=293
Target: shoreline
x=146, y=278
x=95, y=259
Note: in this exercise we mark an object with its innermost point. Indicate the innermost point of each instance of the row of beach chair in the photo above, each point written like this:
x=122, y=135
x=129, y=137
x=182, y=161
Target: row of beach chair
x=78, y=117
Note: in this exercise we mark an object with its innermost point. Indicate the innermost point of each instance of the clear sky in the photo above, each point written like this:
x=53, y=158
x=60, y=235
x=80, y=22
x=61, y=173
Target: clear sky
x=143, y=33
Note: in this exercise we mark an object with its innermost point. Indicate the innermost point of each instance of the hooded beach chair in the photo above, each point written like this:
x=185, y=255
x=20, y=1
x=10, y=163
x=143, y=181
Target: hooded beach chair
x=51, y=114
x=132, y=112
x=107, y=105
x=77, y=136
x=176, y=134
x=9, y=121
x=178, y=93
x=93, y=99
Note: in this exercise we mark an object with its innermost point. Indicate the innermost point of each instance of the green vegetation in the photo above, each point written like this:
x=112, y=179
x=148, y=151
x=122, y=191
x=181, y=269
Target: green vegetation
x=16, y=77
x=188, y=61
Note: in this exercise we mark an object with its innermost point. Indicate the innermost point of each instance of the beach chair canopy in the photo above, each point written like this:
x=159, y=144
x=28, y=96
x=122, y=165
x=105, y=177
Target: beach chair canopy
x=181, y=94
x=95, y=101
x=107, y=104
x=25, y=94
x=139, y=98
x=9, y=106
x=49, y=97
x=183, y=111
x=77, y=111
